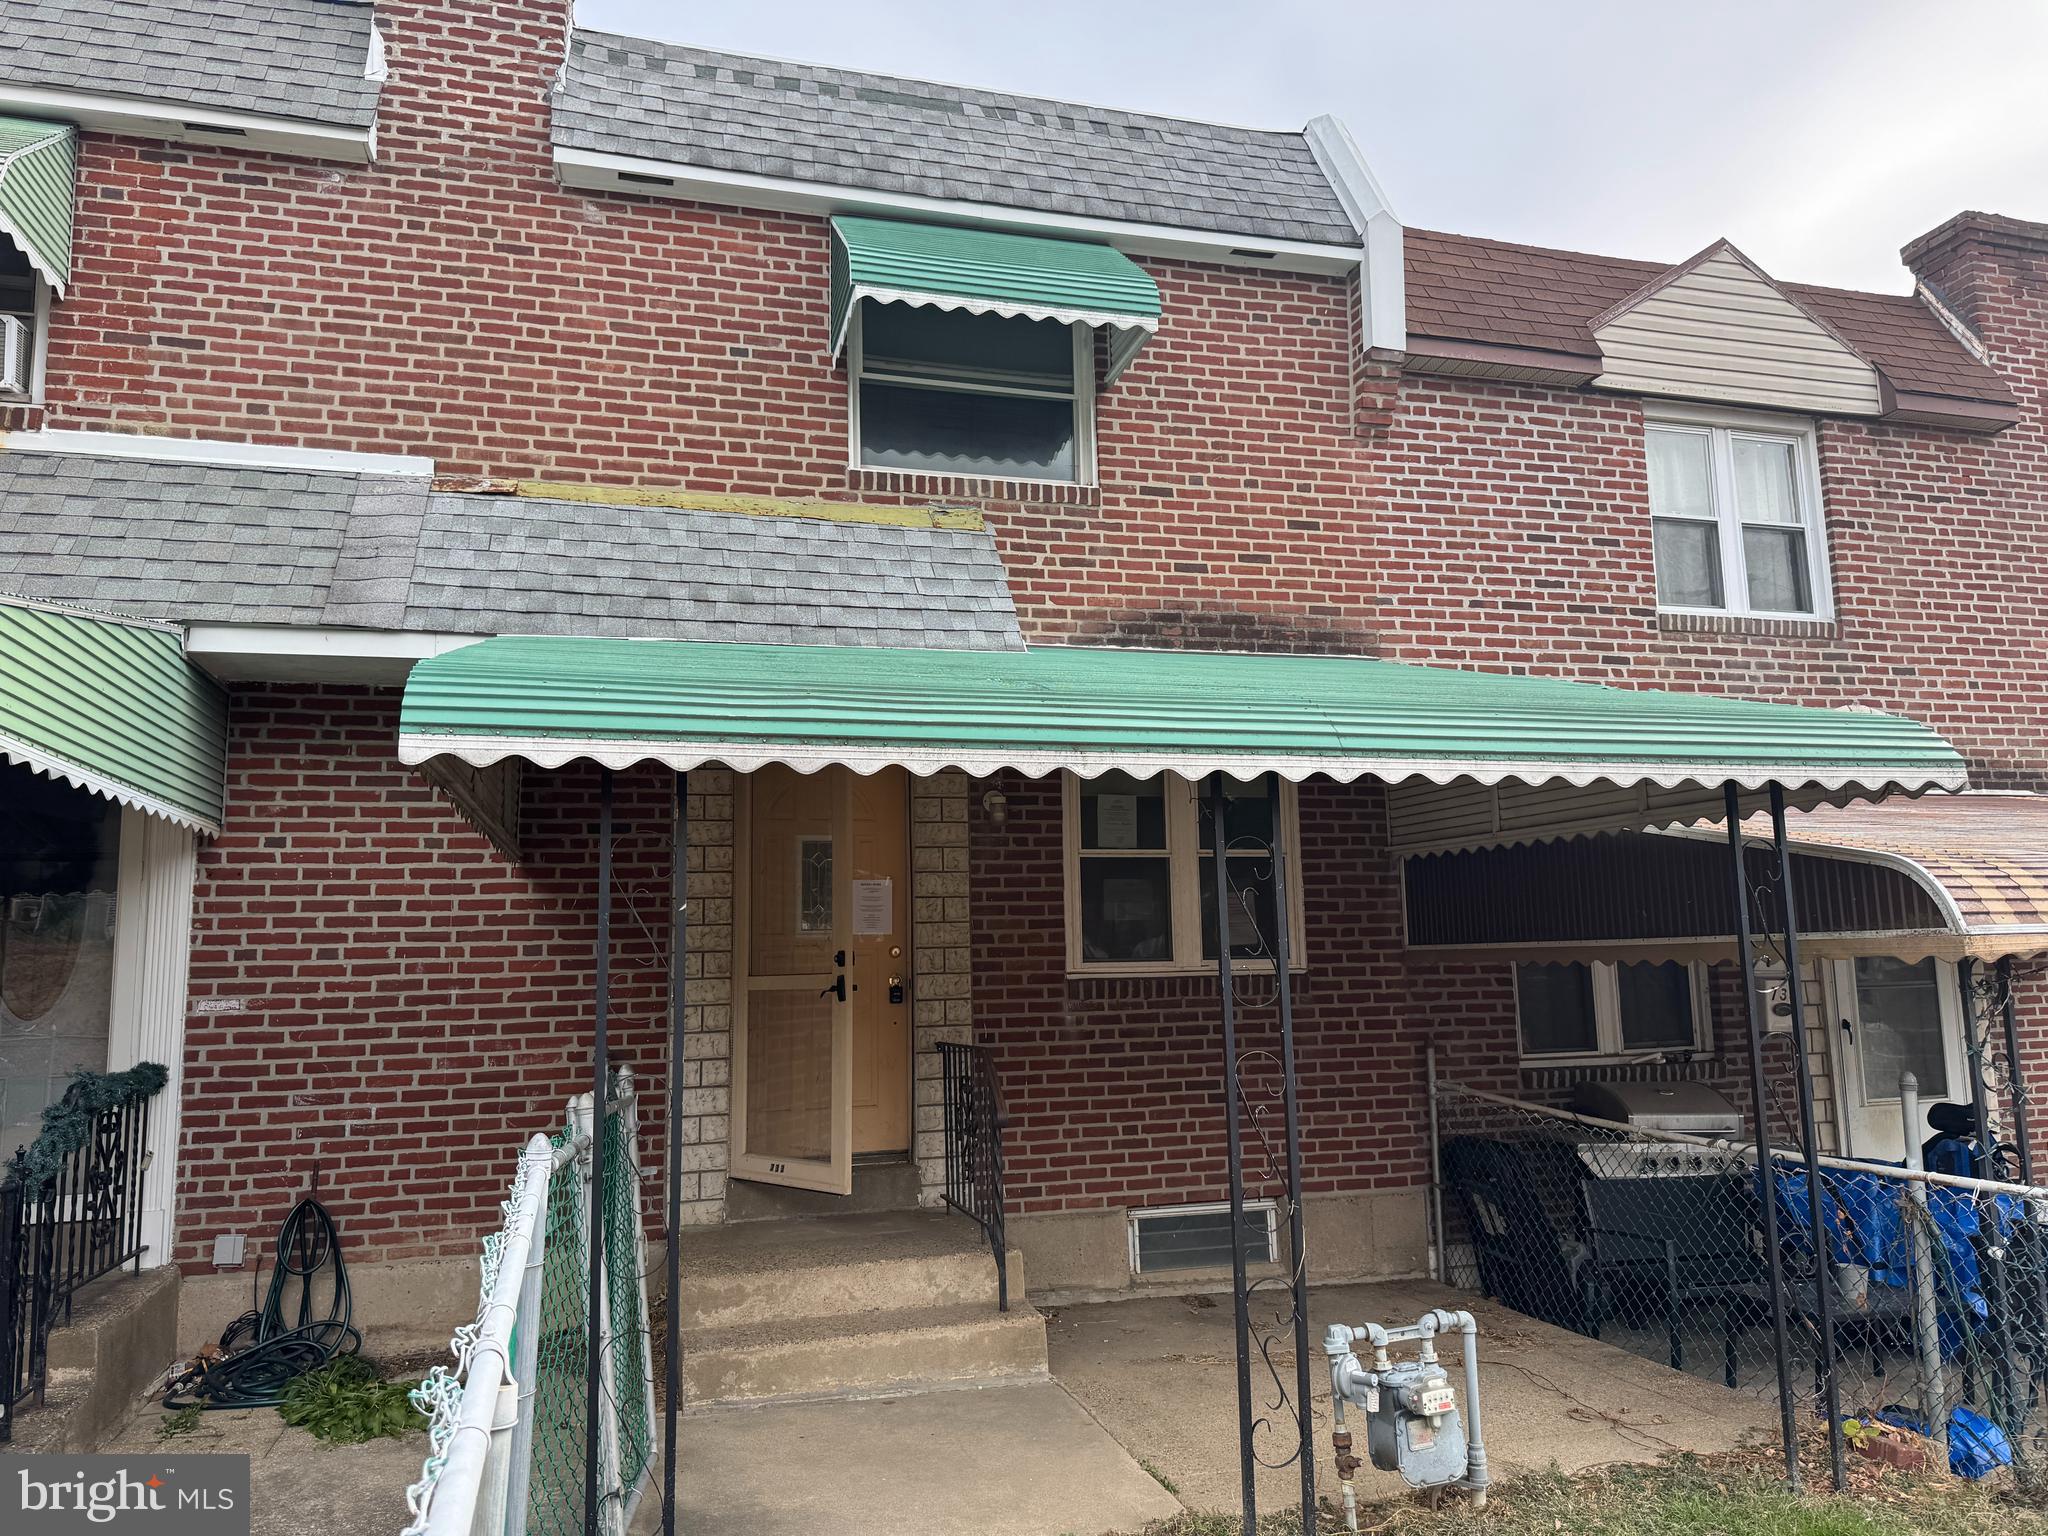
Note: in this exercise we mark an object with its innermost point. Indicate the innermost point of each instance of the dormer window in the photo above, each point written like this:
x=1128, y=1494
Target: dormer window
x=1736, y=516
x=946, y=392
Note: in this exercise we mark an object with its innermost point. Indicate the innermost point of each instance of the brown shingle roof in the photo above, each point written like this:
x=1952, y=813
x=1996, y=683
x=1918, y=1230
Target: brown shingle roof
x=1463, y=289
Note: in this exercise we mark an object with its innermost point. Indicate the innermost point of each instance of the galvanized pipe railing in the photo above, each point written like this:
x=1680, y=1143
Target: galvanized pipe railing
x=70, y=1212
x=974, y=1149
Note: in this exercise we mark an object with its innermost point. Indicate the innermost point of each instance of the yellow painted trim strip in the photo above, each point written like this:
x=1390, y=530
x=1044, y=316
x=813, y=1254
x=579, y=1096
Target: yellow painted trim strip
x=949, y=519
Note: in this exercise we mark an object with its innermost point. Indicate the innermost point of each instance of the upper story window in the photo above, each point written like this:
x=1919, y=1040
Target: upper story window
x=1141, y=874
x=942, y=391
x=1736, y=513
x=1575, y=1011
x=24, y=309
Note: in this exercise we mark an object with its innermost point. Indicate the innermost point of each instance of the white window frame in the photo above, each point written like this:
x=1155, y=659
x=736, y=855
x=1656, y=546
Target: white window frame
x=39, y=348
x=1082, y=395
x=1184, y=854
x=1721, y=428
x=1268, y=1208
x=1607, y=1032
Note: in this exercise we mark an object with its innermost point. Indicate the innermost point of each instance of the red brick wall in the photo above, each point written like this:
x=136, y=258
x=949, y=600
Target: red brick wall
x=1260, y=487
x=1113, y=1087
x=408, y=1007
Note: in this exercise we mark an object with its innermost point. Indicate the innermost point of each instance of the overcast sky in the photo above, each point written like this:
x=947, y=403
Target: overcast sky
x=1818, y=135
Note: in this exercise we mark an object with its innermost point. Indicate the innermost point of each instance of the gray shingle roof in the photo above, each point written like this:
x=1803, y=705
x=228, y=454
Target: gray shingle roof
x=262, y=546
x=664, y=101
x=298, y=59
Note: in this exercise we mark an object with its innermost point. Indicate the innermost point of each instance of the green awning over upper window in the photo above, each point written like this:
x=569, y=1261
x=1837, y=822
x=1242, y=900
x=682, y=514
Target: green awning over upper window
x=989, y=273
x=1575, y=755
x=38, y=171
x=112, y=706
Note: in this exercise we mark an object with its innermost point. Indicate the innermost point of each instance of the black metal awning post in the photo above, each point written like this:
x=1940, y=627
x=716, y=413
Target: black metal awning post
x=600, y=1070
x=1297, y=1248
x=1234, y=1152
x=1816, y=1195
x=1766, y=1169
x=678, y=989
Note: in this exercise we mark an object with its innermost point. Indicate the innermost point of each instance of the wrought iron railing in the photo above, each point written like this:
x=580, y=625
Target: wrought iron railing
x=974, y=1149
x=70, y=1212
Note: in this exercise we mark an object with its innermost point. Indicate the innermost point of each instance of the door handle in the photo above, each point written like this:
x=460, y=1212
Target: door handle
x=837, y=989
x=1848, y=1029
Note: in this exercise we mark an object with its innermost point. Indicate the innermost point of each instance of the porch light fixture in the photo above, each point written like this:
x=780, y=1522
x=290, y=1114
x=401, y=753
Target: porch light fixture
x=996, y=806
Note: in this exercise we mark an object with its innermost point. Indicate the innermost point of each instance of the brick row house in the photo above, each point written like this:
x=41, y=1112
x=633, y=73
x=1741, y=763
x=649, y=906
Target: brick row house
x=949, y=485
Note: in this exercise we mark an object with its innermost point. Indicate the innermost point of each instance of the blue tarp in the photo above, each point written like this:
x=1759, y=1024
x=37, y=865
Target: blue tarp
x=1865, y=1228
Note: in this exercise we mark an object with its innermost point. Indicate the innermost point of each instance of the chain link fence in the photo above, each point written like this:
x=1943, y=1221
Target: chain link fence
x=1659, y=1244
x=546, y=1446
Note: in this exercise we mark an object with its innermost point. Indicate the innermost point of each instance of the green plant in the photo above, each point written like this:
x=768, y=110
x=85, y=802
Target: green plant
x=1159, y=1477
x=347, y=1402
x=180, y=1421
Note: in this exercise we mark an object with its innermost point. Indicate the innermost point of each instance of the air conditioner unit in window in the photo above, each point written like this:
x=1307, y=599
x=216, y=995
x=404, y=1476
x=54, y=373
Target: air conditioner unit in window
x=17, y=355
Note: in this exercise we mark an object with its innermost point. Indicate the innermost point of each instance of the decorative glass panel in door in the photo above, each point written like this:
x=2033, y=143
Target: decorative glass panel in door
x=59, y=869
x=794, y=1023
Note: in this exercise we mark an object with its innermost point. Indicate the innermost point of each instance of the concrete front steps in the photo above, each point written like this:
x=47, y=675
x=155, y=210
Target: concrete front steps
x=849, y=1306
x=122, y=1335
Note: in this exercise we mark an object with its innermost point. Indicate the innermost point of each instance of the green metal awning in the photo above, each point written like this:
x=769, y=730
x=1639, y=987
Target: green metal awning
x=988, y=273
x=112, y=706
x=1657, y=758
x=38, y=166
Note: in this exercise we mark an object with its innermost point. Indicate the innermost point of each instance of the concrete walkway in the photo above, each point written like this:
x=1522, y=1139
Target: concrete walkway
x=1021, y=1460
x=298, y=1486
x=1160, y=1375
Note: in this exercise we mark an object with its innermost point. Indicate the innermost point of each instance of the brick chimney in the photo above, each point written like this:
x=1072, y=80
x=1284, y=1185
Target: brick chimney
x=1991, y=273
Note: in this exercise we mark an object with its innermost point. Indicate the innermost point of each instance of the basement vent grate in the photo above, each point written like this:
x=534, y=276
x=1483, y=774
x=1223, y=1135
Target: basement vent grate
x=1198, y=1236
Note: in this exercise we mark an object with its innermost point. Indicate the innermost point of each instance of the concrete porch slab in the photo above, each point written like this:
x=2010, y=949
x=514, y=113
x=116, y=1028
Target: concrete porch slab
x=978, y=1461
x=1160, y=1375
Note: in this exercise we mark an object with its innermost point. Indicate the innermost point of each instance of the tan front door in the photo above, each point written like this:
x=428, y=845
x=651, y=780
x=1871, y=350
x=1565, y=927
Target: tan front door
x=821, y=1055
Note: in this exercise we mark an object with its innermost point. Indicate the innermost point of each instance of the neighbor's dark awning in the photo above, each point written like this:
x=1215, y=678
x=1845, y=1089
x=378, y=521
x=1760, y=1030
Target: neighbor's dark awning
x=1947, y=875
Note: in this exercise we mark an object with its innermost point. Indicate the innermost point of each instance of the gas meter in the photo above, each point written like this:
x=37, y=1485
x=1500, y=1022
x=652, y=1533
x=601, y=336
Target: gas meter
x=1412, y=1423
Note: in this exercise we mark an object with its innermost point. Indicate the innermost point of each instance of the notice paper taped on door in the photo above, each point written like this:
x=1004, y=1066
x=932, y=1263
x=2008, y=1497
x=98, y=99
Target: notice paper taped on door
x=874, y=907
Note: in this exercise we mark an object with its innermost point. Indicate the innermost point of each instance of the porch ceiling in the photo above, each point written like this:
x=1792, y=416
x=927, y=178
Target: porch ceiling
x=1475, y=758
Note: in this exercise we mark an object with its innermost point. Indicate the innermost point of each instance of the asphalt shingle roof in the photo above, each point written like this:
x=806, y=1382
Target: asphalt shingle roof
x=1465, y=289
x=205, y=544
x=665, y=101
x=297, y=59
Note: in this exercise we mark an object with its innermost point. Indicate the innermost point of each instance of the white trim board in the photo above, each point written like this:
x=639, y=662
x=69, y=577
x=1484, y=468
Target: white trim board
x=152, y=959
x=1383, y=310
x=598, y=171
x=278, y=653
x=156, y=119
x=199, y=450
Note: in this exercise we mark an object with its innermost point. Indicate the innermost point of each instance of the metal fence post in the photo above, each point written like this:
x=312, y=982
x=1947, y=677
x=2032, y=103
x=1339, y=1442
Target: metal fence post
x=1926, y=1313
x=525, y=1373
